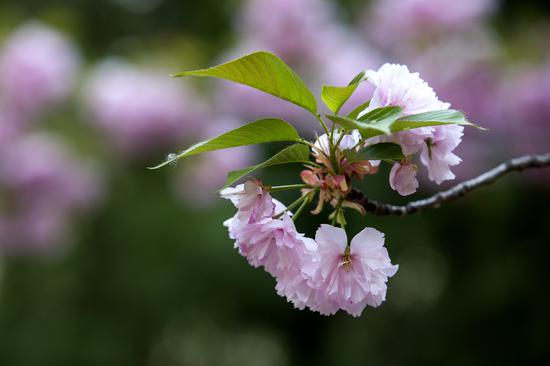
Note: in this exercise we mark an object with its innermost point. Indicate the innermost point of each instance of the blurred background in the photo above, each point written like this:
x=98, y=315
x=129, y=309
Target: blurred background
x=106, y=263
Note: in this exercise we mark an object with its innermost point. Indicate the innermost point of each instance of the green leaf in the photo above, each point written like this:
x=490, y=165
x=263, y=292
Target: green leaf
x=382, y=118
x=266, y=72
x=443, y=117
x=297, y=153
x=258, y=132
x=360, y=108
x=381, y=151
x=386, y=120
x=336, y=96
x=347, y=123
x=358, y=78
x=376, y=122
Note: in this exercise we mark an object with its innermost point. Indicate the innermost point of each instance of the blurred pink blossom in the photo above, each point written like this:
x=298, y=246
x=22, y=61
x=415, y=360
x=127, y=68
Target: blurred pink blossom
x=44, y=185
x=38, y=68
x=293, y=29
x=141, y=110
x=11, y=124
x=527, y=93
x=305, y=34
x=339, y=68
x=466, y=71
x=391, y=21
x=526, y=114
x=248, y=104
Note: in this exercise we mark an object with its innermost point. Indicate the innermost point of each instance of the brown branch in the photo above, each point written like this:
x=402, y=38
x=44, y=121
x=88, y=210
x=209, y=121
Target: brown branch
x=513, y=165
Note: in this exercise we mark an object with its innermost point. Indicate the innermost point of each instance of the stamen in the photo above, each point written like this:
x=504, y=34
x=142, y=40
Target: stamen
x=430, y=143
x=347, y=261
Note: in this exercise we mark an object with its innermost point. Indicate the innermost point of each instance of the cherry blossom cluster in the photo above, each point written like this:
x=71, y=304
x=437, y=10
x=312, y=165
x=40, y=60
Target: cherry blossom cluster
x=395, y=85
x=325, y=274
x=45, y=185
x=330, y=273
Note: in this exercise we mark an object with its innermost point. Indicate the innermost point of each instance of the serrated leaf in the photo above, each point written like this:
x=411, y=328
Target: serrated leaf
x=376, y=122
x=442, y=117
x=336, y=96
x=381, y=151
x=266, y=72
x=297, y=153
x=258, y=132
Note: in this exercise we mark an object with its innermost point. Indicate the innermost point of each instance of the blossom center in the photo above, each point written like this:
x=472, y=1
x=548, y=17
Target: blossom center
x=346, y=260
x=429, y=144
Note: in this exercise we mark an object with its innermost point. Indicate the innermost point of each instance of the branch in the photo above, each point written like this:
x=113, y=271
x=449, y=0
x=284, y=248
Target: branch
x=513, y=165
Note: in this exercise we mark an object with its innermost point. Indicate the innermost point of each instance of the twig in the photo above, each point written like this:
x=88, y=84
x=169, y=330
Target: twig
x=513, y=165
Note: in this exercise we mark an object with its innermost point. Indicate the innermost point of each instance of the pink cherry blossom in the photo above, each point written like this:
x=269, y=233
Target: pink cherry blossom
x=350, y=278
x=262, y=239
x=347, y=142
x=274, y=244
x=403, y=178
x=395, y=85
x=296, y=284
x=253, y=203
x=250, y=197
x=437, y=154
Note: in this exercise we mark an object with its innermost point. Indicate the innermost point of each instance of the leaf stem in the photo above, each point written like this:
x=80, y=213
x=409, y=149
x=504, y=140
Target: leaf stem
x=303, y=205
x=333, y=127
x=338, y=210
x=334, y=147
x=311, y=164
x=288, y=187
x=292, y=206
x=323, y=124
x=359, y=144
